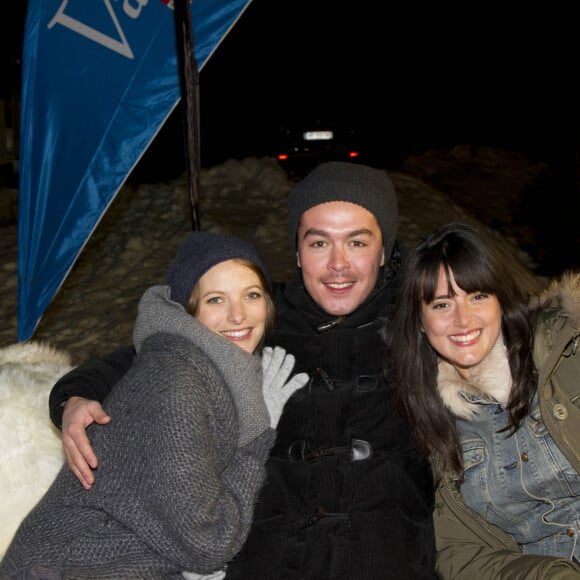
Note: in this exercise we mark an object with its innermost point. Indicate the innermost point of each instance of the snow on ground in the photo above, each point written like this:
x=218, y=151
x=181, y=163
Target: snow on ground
x=93, y=312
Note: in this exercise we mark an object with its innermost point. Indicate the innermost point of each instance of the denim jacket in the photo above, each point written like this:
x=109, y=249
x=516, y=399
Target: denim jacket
x=523, y=483
x=511, y=523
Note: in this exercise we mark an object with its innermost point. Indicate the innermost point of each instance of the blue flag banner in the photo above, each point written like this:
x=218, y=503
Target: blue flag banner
x=99, y=80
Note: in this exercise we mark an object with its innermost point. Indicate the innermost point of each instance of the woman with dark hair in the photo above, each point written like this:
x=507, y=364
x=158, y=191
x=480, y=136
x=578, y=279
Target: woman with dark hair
x=491, y=382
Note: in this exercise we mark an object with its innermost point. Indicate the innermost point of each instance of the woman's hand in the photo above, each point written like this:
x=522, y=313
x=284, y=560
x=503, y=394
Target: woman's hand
x=277, y=366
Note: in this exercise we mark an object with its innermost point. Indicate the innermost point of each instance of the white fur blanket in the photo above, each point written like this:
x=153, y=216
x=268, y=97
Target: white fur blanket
x=30, y=446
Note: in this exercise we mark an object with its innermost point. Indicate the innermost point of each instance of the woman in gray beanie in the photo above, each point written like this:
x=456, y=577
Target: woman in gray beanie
x=182, y=459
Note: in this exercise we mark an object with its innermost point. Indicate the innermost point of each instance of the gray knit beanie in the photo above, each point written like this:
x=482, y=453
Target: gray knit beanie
x=341, y=181
x=200, y=252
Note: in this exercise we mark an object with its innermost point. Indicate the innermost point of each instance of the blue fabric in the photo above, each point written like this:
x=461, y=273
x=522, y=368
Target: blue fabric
x=99, y=79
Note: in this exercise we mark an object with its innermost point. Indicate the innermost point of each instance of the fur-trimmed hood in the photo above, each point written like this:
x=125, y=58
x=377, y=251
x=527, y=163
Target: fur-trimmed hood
x=563, y=295
x=491, y=378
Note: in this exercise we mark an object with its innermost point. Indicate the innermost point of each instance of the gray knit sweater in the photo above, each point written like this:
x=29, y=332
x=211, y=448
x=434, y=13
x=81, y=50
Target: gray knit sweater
x=178, y=477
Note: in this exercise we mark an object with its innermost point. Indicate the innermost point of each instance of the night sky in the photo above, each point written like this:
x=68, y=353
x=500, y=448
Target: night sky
x=405, y=77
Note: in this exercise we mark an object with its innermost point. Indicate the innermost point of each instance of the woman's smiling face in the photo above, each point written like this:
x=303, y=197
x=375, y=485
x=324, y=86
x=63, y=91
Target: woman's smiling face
x=232, y=303
x=462, y=328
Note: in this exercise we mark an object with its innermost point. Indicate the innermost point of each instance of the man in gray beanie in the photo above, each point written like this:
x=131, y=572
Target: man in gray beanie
x=338, y=181
x=348, y=494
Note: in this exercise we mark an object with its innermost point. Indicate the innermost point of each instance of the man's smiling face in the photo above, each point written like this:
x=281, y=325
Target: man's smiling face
x=340, y=252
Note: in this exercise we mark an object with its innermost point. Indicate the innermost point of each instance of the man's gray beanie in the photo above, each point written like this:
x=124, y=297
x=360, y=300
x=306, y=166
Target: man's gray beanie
x=341, y=181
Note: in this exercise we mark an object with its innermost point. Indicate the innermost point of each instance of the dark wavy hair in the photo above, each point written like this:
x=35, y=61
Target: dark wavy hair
x=411, y=362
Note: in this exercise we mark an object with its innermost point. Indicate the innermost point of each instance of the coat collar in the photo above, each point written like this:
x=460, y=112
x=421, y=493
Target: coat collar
x=490, y=379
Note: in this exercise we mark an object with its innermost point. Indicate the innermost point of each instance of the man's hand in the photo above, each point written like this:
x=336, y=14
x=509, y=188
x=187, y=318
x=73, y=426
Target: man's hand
x=78, y=414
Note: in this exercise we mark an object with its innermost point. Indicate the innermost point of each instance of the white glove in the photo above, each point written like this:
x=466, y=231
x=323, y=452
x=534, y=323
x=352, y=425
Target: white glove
x=276, y=367
x=219, y=575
